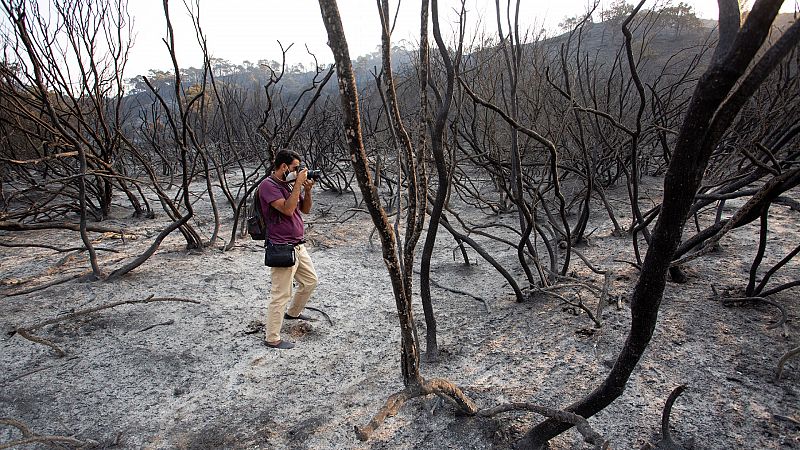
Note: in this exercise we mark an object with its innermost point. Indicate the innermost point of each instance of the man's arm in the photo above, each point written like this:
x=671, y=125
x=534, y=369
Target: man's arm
x=286, y=206
x=307, y=202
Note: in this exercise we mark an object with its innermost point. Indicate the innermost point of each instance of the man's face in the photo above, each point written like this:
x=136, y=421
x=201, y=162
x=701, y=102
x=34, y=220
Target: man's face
x=291, y=167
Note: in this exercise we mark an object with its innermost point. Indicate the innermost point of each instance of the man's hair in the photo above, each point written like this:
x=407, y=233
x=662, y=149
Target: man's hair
x=286, y=156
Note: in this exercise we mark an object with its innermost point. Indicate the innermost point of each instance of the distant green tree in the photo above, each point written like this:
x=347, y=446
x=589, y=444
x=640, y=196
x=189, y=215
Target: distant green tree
x=160, y=79
x=617, y=12
x=680, y=17
x=222, y=67
x=569, y=23
x=270, y=64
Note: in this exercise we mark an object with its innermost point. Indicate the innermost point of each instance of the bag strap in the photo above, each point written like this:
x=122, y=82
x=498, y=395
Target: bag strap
x=269, y=177
x=257, y=199
x=278, y=216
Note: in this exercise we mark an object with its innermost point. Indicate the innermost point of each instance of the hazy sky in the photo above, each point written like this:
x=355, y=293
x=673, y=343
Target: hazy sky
x=239, y=30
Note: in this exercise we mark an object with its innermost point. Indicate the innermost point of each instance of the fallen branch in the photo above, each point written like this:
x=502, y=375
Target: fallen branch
x=666, y=441
x=29, y=437
x=36, y=370
x=39, y=160
x=49, y=284
x=603, y=295
x=440, y=387
x=27, y=332
x=577, y=305
x=40, y=340
x=59, y=250
x=581, y=424
x=789, y=355
x=790, y=202
x=587, y=262
x=738, y=300
x=327, y=317
x=26, y=374
x=26, y=432
x=787, y=419
x=169, y=322
x=6, y=225
x=460, y=292
x=150, y=299
x=636, y=266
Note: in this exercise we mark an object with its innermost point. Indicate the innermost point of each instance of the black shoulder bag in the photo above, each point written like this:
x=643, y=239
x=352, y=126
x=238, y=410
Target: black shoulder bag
x=279, y=255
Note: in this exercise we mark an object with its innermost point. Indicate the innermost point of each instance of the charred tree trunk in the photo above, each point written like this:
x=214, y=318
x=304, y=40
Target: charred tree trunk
x=415, y=216
x=443, y=177
x=730, y=19
x=415, y=385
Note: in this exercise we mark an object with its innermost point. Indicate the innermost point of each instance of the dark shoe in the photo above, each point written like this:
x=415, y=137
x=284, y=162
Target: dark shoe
x=284, y=345
x=301, y=317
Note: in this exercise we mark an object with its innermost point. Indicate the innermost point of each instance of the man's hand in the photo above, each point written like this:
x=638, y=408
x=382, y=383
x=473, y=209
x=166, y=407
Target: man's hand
x=302, y=176
x=308, y=183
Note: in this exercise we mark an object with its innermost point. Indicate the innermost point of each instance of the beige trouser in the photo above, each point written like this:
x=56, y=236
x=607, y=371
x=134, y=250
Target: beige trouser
x=281, y=292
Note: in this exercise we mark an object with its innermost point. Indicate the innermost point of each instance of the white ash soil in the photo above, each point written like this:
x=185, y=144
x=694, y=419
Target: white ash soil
x=206, y=380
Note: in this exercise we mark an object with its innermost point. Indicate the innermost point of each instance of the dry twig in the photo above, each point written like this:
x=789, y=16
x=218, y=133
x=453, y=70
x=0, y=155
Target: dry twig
x=581, y=424
x=28, y=437
x=52, y=283
x=738, y=300
x=576, y=283
x=440, y=387
x=789, y=355
x=327, y=317
x=27, y=332
x=16, y=226
x=603, y=295
x=169, y=322
x=54, y=248
x=666, y=442
x=459, y=292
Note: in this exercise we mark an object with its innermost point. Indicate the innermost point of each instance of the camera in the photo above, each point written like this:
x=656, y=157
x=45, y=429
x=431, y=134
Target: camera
x=313, y=174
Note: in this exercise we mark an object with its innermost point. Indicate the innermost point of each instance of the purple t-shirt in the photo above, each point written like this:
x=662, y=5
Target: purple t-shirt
x=281, y=229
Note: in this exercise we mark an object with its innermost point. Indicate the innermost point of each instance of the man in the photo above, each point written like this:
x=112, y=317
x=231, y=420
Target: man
x=284, y=195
